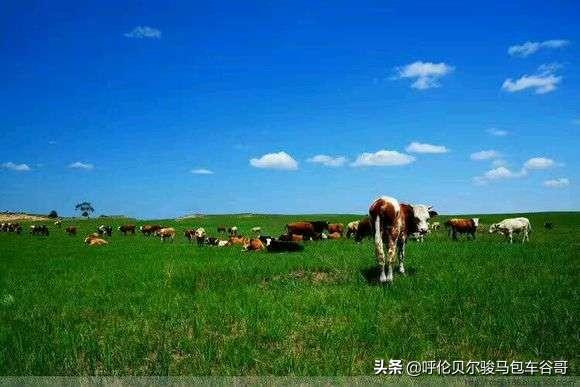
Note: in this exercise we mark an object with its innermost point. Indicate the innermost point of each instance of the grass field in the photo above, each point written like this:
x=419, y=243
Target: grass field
x=139, y=307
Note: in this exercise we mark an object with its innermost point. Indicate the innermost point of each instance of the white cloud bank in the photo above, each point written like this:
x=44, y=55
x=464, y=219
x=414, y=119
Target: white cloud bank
x=143, y=32
x=280, y=161
x=15, y=167
x=544, y=81
x=417, y=147
x=328, y=161
x=529, y=48
x=426, y=74
x=81, y=165
x=561, y=182
x=383, y=158
x=201, y=171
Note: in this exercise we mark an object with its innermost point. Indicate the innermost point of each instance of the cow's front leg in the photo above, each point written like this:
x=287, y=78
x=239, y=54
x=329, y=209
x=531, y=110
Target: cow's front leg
x=401, y=243
x=511, y=234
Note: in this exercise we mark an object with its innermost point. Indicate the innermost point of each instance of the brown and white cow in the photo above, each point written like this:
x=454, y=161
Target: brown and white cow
x=254, y=244
x=394, y=221
x=71, y=230
x=462, y=226
x=336, y=227
x=166, y=233
x=334, y=235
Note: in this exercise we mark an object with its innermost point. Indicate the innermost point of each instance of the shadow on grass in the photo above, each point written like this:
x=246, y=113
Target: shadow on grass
x=371, y=274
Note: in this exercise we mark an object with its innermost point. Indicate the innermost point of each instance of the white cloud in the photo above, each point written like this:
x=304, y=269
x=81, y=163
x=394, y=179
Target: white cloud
x=81, y=165
x=497, y=132
x=417, y=147
x=144, y=32
x=382, y=158
x=16, y=167
x=561, y=182
x=328, y=161
x=202, y=171
x=499, y=173
x=544, y=81
x=280, y=160
x=539, y=163
x=485, y=155
x=426, y=74
x=529, y=48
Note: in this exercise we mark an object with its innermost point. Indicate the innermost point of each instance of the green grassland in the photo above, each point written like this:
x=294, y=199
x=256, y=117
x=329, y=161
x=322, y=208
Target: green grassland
x=140, y=307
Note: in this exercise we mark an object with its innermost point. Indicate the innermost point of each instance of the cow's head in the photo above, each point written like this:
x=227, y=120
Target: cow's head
x=494, y=228
x=422, y=214
x=475, y=222
x=200, y=232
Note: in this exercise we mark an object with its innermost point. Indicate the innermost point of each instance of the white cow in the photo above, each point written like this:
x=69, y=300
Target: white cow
x=510, y=226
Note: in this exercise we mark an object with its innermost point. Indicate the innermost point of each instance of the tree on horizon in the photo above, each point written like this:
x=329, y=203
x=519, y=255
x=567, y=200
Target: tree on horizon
x=85, y=208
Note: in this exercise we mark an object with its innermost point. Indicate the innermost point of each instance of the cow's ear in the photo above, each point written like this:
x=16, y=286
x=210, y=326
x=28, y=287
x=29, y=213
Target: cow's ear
x=433, y=213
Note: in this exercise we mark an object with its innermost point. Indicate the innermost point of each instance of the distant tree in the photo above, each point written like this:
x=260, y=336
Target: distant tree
x=53, y=214
x=85, y=208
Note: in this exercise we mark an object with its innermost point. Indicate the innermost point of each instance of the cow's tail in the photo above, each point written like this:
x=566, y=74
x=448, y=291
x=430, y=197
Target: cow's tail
x=380, y=252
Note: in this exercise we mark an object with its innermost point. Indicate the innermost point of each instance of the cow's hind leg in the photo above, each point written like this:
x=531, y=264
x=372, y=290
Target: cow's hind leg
x=401, y=247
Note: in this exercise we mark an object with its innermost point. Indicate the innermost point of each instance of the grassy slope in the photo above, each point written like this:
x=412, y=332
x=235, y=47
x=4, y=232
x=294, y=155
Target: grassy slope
x=139, y=307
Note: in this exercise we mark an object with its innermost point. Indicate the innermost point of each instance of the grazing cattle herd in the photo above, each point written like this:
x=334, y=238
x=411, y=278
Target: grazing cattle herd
x=389, y=222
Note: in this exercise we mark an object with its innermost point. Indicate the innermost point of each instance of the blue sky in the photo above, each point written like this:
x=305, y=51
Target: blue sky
x=120, y=103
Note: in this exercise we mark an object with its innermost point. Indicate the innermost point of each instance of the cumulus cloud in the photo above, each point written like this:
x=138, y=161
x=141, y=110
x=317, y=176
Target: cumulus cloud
x=143, y=32
x=383, y=158
x=202, y=171
x=81, y=165
x=417, y=147
x=529, y=48
x=502, y=172
x=561, y=182
x=425, y=74
x=544, y=81
x=497, y=132
x=499, y=173
x=539, y=163
x=15, y=167
x=328, y=161
x=280, y=161
x=485, y=155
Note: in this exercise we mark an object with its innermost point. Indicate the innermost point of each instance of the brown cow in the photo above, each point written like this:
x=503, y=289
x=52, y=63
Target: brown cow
x=254, y=245
x=189, y=234
x=237, y=240
x=96, y=242
x=71, y=230
x=92, y=236
x=364, y=229
x=127, y=229
x=462, y=226
x=394, y=221
x=149, y=229
x=306, y=229
x=336, y=227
